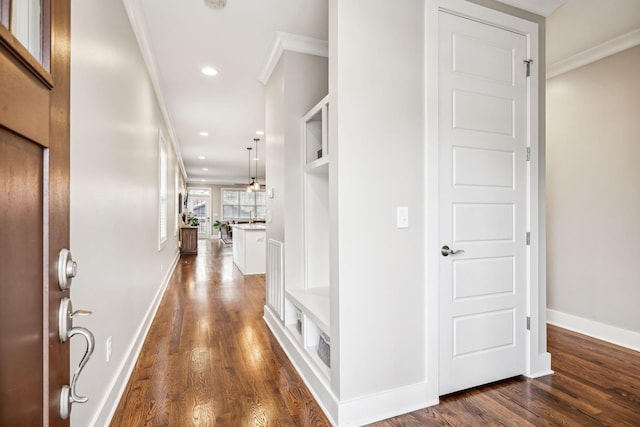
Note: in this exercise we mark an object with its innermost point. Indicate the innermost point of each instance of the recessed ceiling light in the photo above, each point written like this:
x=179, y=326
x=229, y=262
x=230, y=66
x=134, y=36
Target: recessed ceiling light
x=204, y=133
x=205, y=169
x=203, y=180
x=209, y=71
x=259, y=132
x=201, y=157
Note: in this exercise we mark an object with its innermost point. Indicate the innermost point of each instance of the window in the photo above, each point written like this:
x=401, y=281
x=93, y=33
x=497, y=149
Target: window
x=29, y=21
x=162, y=192
x=176, y=190
x=239, y=204
x=26, y=26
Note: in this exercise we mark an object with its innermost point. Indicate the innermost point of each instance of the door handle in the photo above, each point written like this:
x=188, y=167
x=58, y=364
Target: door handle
x=446, y=251
x=65, y=318
x=66, y=331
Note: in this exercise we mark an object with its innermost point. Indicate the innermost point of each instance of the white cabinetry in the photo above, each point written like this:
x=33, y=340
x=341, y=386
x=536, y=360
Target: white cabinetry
x=249, y=248
x=238, y=249
x=297, y=149
x=310, y=303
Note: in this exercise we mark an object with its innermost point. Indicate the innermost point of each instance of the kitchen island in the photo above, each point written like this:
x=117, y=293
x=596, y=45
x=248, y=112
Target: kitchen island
x=249, y=248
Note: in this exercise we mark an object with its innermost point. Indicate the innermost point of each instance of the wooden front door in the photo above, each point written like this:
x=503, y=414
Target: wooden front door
x=34, y=207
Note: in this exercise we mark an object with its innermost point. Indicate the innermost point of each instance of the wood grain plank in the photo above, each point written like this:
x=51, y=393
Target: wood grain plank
x=209, y=360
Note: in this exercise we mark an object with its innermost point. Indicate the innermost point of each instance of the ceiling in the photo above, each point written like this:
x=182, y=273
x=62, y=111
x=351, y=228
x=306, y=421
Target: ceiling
x=179, y=38
x=186, y=35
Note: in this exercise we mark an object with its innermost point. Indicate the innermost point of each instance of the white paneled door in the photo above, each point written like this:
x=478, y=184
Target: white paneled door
x=200, y=206
x=483, y=202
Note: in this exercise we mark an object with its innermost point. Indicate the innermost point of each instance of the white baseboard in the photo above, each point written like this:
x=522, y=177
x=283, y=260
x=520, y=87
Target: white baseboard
x=388, y=404
x=109, y=404
x=601, y=331
x=354, y=412
x=540, y=366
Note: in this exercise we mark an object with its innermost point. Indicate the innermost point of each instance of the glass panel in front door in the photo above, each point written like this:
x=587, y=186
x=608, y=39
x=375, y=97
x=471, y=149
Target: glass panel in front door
x=25, y=24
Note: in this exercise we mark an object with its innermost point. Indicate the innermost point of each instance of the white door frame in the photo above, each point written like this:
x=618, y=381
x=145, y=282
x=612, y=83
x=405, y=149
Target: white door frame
x=538, y=360
x=208, y=197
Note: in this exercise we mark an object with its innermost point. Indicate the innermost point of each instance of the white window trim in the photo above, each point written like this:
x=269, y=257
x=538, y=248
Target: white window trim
x=176, y=210
x=222, y=190
x=162, y=185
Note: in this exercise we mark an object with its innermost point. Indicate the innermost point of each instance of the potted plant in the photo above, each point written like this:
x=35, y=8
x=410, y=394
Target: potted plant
x=189, y=219
x=221, y=226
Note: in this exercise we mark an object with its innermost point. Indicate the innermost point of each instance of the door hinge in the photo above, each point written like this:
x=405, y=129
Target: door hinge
x=528, y=63
x=528, y=154
x=528, y=323
x=528, y=238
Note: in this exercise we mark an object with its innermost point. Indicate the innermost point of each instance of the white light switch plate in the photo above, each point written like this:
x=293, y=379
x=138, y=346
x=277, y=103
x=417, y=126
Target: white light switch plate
x=403, y=217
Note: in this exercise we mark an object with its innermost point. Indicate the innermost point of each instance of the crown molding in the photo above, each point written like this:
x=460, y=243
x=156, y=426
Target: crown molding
x=608, y=48
x=292, y=43
x=134, y=13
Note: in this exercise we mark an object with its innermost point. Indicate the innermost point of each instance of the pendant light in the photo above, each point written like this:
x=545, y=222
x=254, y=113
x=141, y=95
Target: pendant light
x=256, y=184
x=250, y=186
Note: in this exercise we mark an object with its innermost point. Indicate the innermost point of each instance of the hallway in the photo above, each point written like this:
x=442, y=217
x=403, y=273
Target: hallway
x=209, y=359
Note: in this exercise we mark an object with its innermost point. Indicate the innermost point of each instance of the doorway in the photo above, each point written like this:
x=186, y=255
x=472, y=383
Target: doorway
x=482, y=187
x=199, y=203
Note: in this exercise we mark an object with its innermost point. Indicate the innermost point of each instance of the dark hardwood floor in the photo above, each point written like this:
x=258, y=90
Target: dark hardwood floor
x=209, y=359
x=595, y=384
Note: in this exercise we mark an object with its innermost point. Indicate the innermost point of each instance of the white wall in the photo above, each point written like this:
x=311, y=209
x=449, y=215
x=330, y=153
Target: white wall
x=306, y=83
x=593, y=195
x=216, y=202
x=115, y=122
x=298, y=82
x=376, y=73
x=274, y=143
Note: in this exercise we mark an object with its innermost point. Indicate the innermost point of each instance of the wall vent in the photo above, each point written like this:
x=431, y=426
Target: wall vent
x=275, y=277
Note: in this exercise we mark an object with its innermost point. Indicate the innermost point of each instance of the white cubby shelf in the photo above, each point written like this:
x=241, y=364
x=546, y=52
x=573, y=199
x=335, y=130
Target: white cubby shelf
x=318, y=166
x=315, y=304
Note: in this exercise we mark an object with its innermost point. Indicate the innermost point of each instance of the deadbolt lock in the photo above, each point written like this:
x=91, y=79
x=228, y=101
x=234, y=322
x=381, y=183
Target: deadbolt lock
x=67, y=269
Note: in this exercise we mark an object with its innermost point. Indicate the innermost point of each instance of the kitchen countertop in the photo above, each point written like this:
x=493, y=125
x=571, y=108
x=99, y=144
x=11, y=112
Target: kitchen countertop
x=250, y=227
